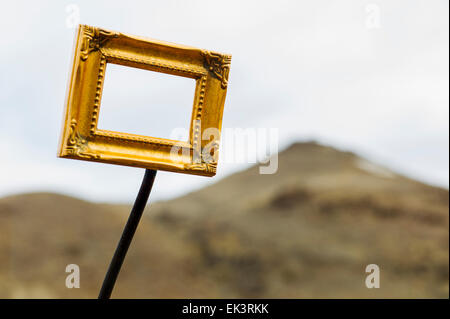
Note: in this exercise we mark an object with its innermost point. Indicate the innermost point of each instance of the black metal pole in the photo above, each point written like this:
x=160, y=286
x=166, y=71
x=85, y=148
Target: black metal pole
x=127, y=235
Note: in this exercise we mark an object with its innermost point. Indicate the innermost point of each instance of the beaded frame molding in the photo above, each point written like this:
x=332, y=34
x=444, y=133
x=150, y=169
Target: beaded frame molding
x=81, y=139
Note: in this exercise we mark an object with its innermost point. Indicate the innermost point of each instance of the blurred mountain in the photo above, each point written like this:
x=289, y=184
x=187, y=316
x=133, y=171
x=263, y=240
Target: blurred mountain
x=307, y=231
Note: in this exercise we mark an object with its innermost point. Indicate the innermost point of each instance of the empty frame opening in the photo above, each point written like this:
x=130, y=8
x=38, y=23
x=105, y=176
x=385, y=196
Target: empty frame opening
x=148, y=103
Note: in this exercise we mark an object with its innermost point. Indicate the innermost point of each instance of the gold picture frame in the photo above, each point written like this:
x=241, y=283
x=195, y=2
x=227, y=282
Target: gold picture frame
x=81, y=139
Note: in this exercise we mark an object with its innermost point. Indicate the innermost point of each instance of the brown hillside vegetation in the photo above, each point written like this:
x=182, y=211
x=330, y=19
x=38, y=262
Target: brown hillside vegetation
x=306, y=232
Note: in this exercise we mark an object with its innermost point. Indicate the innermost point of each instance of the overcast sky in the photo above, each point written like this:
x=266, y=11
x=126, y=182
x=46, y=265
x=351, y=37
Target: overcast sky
x=365, y=76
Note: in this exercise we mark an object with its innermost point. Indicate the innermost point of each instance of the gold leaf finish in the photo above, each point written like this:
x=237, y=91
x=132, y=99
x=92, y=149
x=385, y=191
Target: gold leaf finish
x=93, y=39
x=219, y=65
x=77, y=145
x=81, y=139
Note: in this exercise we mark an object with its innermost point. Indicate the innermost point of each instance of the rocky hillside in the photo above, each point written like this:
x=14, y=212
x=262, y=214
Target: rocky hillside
x=306, y=232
